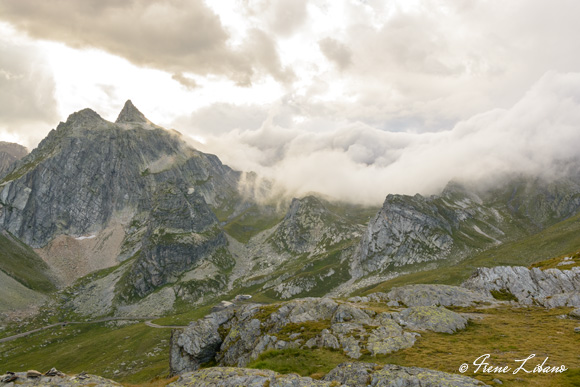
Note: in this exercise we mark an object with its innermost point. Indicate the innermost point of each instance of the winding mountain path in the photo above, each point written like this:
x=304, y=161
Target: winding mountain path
x=148, y=322
x=153, y=325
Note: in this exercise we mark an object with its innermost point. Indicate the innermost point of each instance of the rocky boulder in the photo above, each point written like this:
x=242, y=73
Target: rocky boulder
x=198, y=343
x=432, y=318
x=550, y=288
x=54, y=378
x=344, y=375
x=370, y=374
x=238, y=335
x=437, y=295
x=234, y=377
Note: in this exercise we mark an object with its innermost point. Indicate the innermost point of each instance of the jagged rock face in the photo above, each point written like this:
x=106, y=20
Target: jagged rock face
x=181, y=230
x=415, y=229
x=308, y=224
x=549, y=288
x=541, y=202
x=239, y=335
x=89, y=172
x=9, y=154
x=406, y=231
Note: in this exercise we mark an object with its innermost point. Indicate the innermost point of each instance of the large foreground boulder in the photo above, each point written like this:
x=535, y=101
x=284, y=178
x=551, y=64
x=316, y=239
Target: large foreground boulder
x=344, y=375
x=237, y=336
x=235, y=377
x=390, y=375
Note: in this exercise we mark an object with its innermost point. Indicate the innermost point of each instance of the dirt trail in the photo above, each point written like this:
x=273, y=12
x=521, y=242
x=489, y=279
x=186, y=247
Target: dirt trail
x=148, y=322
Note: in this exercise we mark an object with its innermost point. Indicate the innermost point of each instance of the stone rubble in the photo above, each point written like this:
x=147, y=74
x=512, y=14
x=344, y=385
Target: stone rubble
x=53, y=378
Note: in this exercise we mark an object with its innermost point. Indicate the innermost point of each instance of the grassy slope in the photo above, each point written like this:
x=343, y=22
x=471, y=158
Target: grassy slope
x=251, y=222
x=561, y=238
x=14, y=295
x=21, y=263
x=134, y=353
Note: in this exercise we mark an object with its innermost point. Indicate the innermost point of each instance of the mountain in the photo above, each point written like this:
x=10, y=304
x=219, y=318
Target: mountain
x=106, y=224
x=9, y=154
x=131, y=220
x=94, y=194
x=424, y=232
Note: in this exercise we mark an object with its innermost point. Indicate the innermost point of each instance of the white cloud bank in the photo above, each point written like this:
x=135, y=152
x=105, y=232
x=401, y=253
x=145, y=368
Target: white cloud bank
x=351, y=98
x=362, y=164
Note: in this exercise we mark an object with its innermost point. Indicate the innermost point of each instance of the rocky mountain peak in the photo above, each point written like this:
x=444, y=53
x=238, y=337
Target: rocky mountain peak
x=85, y=117
x=130, y=114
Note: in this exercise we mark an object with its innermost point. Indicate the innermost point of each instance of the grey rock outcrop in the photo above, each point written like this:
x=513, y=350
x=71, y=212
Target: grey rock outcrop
x=432, y=318
x=308, y=224
x=55, y=379
x=181, y=230
x=198, y=343
x=239, y=335
x=413, y=229
x=389, y=338
x=435, y=295
x=370, y=374
x=234, y=377
x=459, y=221
x=344, y=375
x=549, y=288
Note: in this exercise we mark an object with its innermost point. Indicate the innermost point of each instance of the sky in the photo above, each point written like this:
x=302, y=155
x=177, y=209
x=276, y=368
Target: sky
x=354, y=99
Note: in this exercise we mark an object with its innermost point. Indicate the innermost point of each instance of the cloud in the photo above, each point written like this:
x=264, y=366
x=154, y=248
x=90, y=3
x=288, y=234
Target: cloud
x=26, y=90
x=287, y=16
x=336, y=52
x=359, y=163
x=221, y=118
x=189, y=83
x=425, y=65
x=176, y=36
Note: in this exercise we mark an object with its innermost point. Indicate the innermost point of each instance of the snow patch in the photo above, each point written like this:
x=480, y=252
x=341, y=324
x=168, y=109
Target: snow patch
x=85, y=237
x=485, y=235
